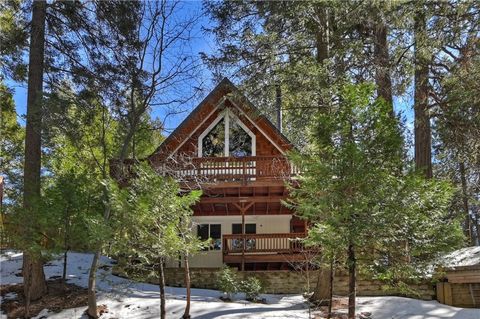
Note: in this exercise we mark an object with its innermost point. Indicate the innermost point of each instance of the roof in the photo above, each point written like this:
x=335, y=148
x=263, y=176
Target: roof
x=225, y=89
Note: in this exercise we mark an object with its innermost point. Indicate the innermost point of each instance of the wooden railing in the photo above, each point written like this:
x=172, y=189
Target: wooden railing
x=213, y=169
x=263, y=243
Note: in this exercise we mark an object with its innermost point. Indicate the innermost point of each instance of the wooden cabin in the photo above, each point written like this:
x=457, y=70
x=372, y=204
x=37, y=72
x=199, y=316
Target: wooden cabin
x=238, y=158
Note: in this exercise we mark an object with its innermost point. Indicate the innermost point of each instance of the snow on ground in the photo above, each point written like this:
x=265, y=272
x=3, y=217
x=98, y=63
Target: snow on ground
x=469, y=256
x=129, y=299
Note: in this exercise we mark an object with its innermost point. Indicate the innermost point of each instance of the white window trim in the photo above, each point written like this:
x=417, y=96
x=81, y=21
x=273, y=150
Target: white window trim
x=226, y=115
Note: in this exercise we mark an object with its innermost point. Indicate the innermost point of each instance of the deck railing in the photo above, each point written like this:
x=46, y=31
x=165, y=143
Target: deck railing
x=213, y=169
x=263, y=243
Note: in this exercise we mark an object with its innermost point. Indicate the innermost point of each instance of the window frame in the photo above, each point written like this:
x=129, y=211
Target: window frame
x=226, y=114
x=209, y=227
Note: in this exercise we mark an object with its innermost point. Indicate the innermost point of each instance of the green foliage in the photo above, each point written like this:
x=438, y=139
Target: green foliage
x=13, y=39
x=356, y=192
x=152, y=218
x=227, y=281
x=252, y=288
x=11, y=151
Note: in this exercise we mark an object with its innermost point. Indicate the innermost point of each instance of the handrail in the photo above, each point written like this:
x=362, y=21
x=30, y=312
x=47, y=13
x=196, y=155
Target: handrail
x=243, y=169
x=261, y=243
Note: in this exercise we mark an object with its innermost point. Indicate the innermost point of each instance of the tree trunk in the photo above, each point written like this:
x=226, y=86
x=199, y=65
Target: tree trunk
x=278, y=105
x=321, y=33
x=382, y=64
x=468, y=224
x=161, y=281
x=321, y=295
x=423, y=135
x=332, y=277
x=64, y=274
x=34, y=278
x=92, y=277
x=352, y=265
x=186, y=314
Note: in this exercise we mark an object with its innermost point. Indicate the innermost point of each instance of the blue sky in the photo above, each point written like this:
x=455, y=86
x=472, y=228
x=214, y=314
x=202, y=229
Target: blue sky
x=200, y=42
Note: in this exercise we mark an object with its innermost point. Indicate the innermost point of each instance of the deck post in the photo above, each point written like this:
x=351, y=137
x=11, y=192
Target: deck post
x=243, y=237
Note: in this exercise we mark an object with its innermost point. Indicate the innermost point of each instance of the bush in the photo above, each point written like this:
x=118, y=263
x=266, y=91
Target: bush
x=252, y=288
x=227, y=282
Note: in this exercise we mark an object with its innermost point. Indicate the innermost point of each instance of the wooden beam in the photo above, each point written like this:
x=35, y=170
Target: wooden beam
x=233, y=199
x=237, y=259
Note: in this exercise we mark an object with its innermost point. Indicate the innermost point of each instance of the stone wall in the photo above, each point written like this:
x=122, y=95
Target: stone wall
x=290, y=282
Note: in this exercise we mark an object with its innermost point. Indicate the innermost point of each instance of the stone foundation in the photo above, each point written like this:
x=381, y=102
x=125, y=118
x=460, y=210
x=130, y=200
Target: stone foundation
x=291, y=282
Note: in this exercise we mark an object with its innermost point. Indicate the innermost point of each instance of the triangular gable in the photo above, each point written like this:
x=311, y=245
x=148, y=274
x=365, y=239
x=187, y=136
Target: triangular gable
x=224, y=93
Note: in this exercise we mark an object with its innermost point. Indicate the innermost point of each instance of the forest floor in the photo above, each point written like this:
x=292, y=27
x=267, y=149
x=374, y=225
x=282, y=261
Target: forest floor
x=125, y=298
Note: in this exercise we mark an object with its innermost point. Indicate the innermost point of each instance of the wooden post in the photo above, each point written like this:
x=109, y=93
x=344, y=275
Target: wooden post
x=243, y=235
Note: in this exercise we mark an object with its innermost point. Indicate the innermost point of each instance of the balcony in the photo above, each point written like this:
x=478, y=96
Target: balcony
x=278, y=247
x=229, y=169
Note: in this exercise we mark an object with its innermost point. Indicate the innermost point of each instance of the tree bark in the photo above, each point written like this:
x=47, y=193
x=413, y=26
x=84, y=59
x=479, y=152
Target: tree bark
x=321, y=34
x=34, y=277
x=92, y=277
x=321, y=295
x=332, y=277
x=423, y=135
x=468, y=228
x=186, y=314
x=352, y=265
x=278, y=105
x=382, y=64
x=161, y=281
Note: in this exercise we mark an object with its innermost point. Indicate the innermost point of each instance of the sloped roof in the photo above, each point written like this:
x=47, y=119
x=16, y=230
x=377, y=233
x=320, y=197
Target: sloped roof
x=225, y=89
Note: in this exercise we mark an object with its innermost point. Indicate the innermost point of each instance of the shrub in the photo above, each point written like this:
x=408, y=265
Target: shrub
x=252, y=288
x=227, y=282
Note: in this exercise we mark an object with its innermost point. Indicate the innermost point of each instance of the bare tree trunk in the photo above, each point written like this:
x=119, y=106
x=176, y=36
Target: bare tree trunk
x=321, y=295
x=92, y=295
x=423, y=135
x=161, y=281
x=34, y=277
x=186, y=314
x=64, y=273
x=278, y=105
x=33, y=270
x=332, y=277
x=352, y=265
x=468, y=228
x=382, y=64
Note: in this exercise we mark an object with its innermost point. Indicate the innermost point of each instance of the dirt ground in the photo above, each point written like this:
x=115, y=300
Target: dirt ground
x=59, y=297
x=339, y=309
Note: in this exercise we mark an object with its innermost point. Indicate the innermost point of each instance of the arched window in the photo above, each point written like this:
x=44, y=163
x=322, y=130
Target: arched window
x=226, y=136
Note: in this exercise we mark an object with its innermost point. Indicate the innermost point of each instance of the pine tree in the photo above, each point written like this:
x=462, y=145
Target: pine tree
x=352, y=186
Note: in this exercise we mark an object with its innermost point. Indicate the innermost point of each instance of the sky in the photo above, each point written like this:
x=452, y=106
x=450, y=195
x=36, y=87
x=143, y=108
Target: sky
x=200, y=42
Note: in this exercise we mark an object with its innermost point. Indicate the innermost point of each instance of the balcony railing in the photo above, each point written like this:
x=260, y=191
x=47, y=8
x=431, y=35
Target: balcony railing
x=263, y=243
x=244, y=169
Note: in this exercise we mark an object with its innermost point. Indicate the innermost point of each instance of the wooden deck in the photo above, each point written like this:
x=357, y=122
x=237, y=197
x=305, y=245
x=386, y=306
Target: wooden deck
x=229, y=169
x=256, y=248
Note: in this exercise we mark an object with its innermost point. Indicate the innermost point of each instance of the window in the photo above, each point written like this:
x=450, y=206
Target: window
x=213, y=145
x=212, y=232
x=239, y=142
x=227, y=136
x=249, y=228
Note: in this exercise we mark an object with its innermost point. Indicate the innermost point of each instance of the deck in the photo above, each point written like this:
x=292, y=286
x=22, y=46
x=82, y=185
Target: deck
x=257, y=248
x=229, y=169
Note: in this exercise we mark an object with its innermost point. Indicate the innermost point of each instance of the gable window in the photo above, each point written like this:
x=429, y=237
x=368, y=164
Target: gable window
x=211, y=232
x=226, y=136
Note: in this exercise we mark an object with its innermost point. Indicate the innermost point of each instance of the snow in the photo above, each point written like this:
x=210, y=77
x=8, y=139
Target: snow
x=469, y=256
x=129, y=299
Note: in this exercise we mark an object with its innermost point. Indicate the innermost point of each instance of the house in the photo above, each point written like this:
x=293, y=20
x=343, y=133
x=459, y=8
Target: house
x=238, y=158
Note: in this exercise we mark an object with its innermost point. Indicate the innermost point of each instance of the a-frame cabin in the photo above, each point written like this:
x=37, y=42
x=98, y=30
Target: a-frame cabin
x=238, y=158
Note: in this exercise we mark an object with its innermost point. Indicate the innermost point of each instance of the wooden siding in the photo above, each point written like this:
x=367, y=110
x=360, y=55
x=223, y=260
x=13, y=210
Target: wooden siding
x=186, y=135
